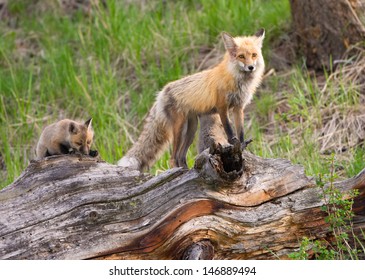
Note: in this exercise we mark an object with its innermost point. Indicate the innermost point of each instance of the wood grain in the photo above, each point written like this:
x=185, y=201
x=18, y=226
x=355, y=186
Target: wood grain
x=72, y=207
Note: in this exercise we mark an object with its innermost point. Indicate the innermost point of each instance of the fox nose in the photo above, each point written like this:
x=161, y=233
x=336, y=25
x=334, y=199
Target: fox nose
x=251, y=67
x=85, y=150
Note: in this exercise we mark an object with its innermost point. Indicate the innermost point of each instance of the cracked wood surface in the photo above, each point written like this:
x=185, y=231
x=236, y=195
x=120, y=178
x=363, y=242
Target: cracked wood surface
x=71, y=207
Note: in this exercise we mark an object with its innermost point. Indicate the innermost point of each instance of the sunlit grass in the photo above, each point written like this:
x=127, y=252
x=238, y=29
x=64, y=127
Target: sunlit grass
x=110, y=64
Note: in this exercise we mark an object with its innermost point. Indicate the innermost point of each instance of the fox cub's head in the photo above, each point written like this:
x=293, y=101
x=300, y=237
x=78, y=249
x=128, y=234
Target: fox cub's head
x=245, y=52
x=81, y=136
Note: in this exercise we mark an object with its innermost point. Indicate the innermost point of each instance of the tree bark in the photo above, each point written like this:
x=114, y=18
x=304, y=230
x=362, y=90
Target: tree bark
x=324, y=29
x=73, y=207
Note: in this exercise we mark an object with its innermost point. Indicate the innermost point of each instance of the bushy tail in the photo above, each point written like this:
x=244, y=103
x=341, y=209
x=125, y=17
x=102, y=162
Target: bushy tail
x=150, y=144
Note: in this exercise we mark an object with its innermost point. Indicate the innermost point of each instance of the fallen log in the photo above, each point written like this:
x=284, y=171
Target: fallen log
x=79, y=207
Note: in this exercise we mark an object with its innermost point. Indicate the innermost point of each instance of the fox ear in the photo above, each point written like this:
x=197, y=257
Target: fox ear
x=73, y=128
x=260, y=34
x=88, y=123
x=229, y=44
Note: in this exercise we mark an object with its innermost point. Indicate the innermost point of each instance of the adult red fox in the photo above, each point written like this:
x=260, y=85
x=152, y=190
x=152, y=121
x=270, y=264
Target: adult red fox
x=229, y=85
x=65, y=136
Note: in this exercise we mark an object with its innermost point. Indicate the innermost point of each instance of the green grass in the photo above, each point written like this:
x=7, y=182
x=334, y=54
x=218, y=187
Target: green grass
x=290, y=124
x=338, y=206
x=109, y=65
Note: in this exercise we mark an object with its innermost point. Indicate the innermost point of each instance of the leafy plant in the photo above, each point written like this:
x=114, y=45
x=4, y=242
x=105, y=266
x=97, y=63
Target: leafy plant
x=338, y=207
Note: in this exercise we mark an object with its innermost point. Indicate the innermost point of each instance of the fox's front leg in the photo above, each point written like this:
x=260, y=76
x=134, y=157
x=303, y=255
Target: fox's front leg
x=223, y=114
x=238, y=121
x=239, y=118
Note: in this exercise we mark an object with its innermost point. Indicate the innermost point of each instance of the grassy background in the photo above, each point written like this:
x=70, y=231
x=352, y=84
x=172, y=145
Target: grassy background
x=79, y=61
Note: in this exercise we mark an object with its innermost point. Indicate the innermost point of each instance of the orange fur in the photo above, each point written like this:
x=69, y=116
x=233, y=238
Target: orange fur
x=231, y=84
x=65, y=136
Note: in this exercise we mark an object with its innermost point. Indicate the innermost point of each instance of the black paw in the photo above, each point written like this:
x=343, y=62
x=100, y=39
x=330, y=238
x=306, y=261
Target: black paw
x=73, y=152
x=93, y=153
x=233, y=141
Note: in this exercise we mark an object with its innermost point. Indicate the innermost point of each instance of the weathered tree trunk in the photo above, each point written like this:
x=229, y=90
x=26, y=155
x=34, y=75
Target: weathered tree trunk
x=324, y=29
x=71, y=207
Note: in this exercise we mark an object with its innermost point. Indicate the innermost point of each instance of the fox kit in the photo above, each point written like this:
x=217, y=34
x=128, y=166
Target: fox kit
x=229, y=85
x=65, y=136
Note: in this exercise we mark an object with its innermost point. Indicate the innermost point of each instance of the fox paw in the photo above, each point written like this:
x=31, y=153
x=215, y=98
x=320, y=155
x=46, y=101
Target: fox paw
x=93, y=153
x=233, y=141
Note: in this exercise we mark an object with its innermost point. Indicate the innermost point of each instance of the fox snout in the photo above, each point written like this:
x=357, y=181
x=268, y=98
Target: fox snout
x=251, y=68
x=84, y=150
x=247, y=68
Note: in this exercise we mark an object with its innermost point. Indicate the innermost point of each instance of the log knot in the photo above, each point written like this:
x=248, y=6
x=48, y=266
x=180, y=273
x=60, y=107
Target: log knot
x=202, y=250
x=221, y=163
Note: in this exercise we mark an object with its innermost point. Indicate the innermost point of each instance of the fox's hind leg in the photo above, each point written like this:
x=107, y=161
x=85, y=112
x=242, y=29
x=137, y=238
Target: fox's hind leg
x=57, y=149
x=178, y=124
x=187, y=138
x=41, y=151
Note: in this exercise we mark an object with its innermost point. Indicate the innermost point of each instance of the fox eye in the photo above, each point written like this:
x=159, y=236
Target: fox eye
x=88, y=142
x=78, y=143
x=241, y=56
x=254, y=55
